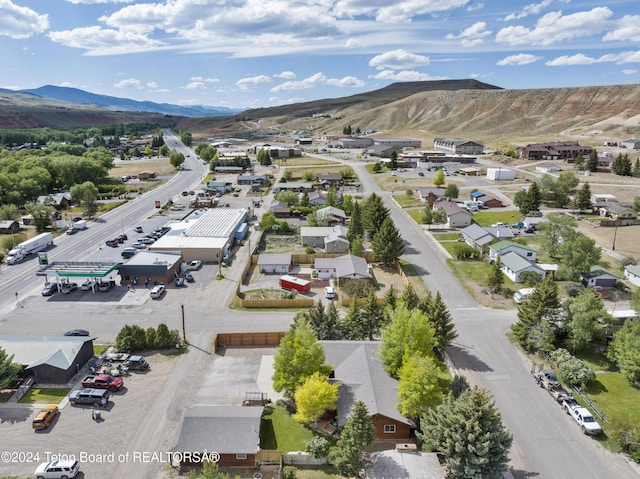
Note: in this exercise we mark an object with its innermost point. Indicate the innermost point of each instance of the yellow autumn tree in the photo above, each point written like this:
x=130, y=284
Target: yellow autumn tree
x=314, y=397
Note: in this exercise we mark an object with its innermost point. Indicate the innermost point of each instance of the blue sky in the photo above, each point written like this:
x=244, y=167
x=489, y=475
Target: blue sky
x=260, y=53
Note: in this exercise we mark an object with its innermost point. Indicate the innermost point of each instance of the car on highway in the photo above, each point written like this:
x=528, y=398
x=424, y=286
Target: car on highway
x=196, y=264
x=77, y=332
x=68, y=287
x=44, y=417
x=50, y=288
x=58, y=469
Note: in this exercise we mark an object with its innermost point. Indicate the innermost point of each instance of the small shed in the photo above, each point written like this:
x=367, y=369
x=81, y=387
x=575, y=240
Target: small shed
x=500, y=174
x=9, y=227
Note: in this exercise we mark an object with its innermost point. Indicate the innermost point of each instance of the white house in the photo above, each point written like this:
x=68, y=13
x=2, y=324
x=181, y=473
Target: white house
x=274, y=263
x=513, y=265
x=504, y=247
x=342, y=267
x=456, y=217
x=632, y=274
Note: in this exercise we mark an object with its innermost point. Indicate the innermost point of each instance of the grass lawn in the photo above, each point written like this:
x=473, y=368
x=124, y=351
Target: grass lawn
x=306, y=161
x=487, y=218
x=280, y=432
x=596, y=361
x=99, y=349
x=298, y=173
x=473, y=273
x=416, y=281
x=614, y=396
x=322, y=472
x=407, y=201
x=416, y=215
x=45, y=395
x=439, y=237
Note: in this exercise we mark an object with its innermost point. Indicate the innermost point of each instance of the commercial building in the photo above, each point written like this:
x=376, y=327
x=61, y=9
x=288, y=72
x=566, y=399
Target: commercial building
x=150, y=267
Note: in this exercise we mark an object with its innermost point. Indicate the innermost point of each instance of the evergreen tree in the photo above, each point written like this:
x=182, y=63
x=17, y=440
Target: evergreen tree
x=8, y=369
x=374, y=212
x=387, y=243
x=304, y=201
x=355, y=229
x=443, y=327
x=409, y=297
x=427, y=216
x=538, y=317
x=332, y=197
x=451, y=191
x=353, y=324
x=592, y=162
x=635, y=171
x=391, y=298
x=316, y=317
x=358, y=433
x=332, y=326
x=469, y=432
x=495, y=279
x=459, y=384
x=393, y=160
x=583, y=198
x=425, y=302
x=372, y=315
x=356, y=247
x=533, y=197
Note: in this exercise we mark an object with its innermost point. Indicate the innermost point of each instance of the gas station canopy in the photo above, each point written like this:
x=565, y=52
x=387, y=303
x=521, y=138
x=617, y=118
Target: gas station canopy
x=83, y=269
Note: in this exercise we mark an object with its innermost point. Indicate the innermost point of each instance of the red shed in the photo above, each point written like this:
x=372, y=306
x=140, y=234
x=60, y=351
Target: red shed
x=293, y=283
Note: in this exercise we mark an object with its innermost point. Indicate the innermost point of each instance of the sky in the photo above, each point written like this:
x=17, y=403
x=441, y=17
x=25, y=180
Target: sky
x=260, y=53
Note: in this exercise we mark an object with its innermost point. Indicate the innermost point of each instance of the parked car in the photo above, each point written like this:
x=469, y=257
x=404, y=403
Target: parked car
x=77, y=332
x=185, y=193
x=139, y=245
x=179, y=282
x=111, y=243
x=86, y=285
x=519, y=224
x=146, y=240
x=50, y=288
x=118, y=239
x=195, y=265
x=123, y=237
x=189, y=277
x=192, y=192
x=68, y=287
x=177, y=208
x=58, y=469
x=104, y=287
x=88, y=396
x=138, y=229
x=128, y=252
x=44, y=417
x=157, y=291
x=421, y=173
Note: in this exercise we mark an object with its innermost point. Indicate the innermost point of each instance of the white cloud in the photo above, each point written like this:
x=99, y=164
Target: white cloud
x=628, y=71
x=519, y=59
x=92, y=2
x=21, y=22
x=393, y=12
x=204, y=80
x=554, y=27
x=472, y=35
x=625, y=28
x=285, y=75
x=353, y=43
x=99, y=41
x=152, y=85
x=195, y=85
x=129, y=83
x=531, y=9
x=250, y=82
x=398, y=60
x=316, y=80
x=475, y=6
x=581, y=59
x=406, y=75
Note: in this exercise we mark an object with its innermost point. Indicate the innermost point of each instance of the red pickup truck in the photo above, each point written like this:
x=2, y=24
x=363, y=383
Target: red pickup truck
x=102, y=381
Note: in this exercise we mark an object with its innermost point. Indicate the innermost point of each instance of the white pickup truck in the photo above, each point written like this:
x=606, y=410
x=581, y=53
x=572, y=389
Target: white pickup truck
x=583, y=417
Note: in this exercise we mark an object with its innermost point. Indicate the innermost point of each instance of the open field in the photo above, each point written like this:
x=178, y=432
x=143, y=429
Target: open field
x=133, y=167
x=303, y=161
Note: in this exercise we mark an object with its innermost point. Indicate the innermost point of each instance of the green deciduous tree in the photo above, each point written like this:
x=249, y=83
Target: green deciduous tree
x=577, y=256
x=176, y=159
x=427, y=216
x=418, y=388
x=409, y=333
x=443, y=327
x=624, y=350
x=495, y=278
x=451, y=191
x=9, y=212
x=314, y=397
x=358, y=433
x=387, y=243
x=263, y=158
x=586, y=317
x=439, y=179
x=557, y=229
x=86, y=194
x=299, y=356
x=131, y=338
x=469, y=432
x=8, y=369
x=41, y=215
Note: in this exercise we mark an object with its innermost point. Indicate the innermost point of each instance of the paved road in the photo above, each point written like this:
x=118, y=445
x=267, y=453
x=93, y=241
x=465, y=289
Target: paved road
x=547, y=444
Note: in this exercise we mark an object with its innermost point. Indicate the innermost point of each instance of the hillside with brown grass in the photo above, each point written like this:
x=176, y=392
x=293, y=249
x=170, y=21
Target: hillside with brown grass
x=588, y=114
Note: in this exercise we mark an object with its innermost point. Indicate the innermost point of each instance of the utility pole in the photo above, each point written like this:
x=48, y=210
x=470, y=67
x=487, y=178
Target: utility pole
x=615, y=232
x=184, y=331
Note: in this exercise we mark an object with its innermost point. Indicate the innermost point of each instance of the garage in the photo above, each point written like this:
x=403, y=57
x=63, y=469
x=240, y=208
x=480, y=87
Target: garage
x=600, y=277
x=274, y=263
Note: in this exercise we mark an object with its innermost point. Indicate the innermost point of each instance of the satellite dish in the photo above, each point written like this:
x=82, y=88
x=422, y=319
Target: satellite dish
x=257, y=475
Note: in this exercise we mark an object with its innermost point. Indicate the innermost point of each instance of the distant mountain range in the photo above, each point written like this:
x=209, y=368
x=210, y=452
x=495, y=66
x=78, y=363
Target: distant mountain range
x=81, y=97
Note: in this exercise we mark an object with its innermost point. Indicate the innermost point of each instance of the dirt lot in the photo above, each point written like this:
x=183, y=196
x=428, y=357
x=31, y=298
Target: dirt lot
x=133, y=167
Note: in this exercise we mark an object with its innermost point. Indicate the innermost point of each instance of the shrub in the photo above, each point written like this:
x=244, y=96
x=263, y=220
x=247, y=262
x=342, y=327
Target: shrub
x=573, y=289
x=571, y=370
x=318, y=446
x=309, y=250
x=163, y=337
x=289, y=472
x=287, y=406
x=628, y=261
x=131, y=338
x=357, y=288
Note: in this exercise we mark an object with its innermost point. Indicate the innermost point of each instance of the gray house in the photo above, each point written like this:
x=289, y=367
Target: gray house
x=315, y=236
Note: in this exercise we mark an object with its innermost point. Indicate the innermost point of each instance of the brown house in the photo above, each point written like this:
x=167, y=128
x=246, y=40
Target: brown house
x=231, y=431
x=9, y=227
x=358, y=369
x=429, y=195
x=60, y=201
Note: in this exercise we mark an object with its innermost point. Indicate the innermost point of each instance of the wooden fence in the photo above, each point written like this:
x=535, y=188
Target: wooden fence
x=247, y=339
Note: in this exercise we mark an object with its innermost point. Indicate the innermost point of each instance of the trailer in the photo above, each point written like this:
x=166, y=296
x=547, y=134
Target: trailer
x=29, y=248
x=498, y=174
x=293, y=283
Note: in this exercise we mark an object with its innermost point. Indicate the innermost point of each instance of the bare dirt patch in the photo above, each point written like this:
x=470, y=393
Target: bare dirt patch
x=133, y=167
x=626, y=239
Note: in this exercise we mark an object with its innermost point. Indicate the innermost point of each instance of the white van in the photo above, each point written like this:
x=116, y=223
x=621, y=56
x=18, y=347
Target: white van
x=329, y=292
x=523, y=294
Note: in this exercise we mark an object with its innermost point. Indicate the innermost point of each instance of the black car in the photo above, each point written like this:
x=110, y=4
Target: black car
x=77, y=218
x=50, y=289
x=118, y=239
x=112, y=243
x=77, y=332
x=189, y=277
x=123, y=237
